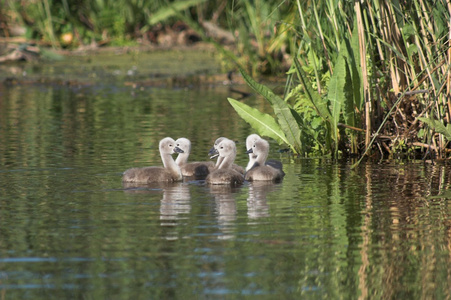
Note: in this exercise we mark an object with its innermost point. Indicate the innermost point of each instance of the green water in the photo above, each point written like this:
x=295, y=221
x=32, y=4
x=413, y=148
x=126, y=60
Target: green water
x=69, y=229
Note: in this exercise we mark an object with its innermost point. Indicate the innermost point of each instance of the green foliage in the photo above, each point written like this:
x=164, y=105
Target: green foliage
x=286, y=130
x=311, y=94
x=319, y=114
x=283, y=112
x=337, y=95
x=114, y=21
x=348, y=69
x=265, y=33
x=265, y=124
x=171, y=10
x=438, y=126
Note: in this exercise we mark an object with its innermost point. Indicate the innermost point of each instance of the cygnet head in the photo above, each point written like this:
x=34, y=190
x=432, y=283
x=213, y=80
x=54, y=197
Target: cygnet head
x=250, y=140
x=260, y=148
x=183, y=144
x=167, y=146
x=226, y=148
x=213, y=153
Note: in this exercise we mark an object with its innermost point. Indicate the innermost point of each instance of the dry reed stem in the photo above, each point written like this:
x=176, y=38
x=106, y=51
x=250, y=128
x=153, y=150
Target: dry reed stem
x=366, y=93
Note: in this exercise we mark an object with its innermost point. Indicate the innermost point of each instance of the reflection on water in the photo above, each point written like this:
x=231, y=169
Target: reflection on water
x=175, y=201
x=174, y=204
x=70, y=229
x=225, y=201
x=257, y=205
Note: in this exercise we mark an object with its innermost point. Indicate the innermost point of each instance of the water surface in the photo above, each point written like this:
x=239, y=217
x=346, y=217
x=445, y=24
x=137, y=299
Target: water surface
x=70, y=229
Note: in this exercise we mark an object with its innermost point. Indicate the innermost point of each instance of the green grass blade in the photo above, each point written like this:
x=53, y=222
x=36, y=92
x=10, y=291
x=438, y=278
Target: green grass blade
x=349, y=104
x=353, y=53
x=171, y=10
x=336, y=96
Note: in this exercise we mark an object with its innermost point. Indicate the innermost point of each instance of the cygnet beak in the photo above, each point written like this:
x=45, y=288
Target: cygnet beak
x=213, y=153
x=249, y=151
x=178, y=150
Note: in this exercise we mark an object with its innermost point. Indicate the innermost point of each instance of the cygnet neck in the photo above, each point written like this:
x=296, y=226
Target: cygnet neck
x=227, y=154
x=226, y=162
x=261, y=157
x=169, y=163
x=185, y=145
x=250, y=140
x=182, y=158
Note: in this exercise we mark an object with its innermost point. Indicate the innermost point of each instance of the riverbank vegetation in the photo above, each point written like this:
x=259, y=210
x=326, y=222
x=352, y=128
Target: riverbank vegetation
x=371, y=79
x=362, y=78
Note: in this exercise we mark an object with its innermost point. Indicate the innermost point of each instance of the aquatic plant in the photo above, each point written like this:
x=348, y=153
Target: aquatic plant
x=364, y=75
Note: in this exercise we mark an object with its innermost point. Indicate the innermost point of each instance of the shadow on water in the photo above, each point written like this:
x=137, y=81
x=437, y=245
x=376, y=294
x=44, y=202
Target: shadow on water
x=70, y=229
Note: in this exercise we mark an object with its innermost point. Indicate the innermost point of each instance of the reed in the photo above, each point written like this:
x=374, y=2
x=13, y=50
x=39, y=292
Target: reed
x=375, y=80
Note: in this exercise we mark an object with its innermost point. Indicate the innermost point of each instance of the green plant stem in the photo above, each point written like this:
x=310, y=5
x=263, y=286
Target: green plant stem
x=50, y=24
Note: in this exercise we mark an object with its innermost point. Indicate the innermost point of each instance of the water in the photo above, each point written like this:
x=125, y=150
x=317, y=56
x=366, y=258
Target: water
x=70, y=229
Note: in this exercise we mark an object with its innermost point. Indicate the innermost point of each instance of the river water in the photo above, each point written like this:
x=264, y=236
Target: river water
x=70, y=229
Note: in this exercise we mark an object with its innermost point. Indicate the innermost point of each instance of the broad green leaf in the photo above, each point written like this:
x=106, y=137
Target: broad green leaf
x=438, y=126
x=440, y=19
x=263, y=123
x=282, y=110
x=336, y=95
x=408, y=30
x=349, y=111
x=353, y=56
